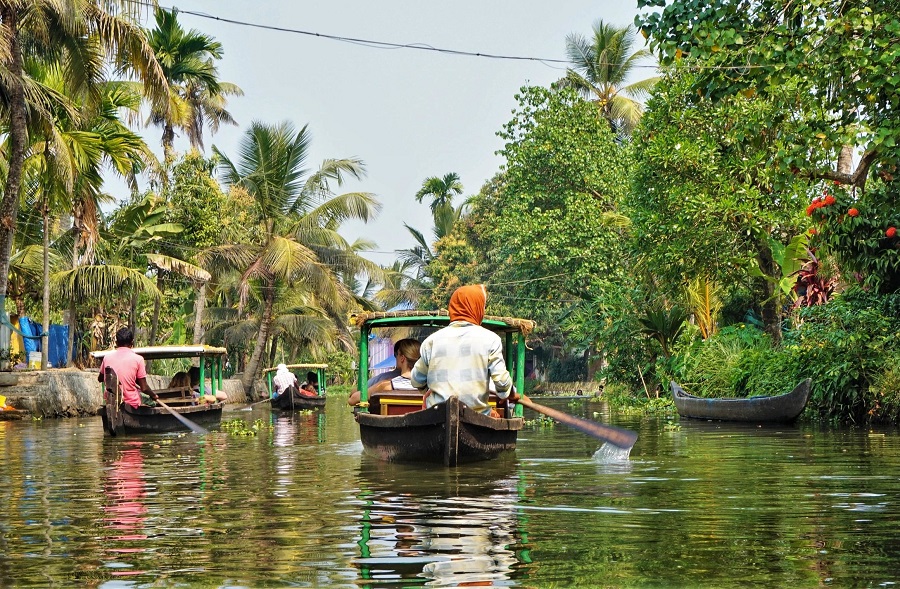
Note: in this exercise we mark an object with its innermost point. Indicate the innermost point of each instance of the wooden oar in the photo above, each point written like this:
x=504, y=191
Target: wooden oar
x=617, y=436
x=187, y=422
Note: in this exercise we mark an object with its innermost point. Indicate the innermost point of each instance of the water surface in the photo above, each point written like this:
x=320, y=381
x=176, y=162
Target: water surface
x=696, y=504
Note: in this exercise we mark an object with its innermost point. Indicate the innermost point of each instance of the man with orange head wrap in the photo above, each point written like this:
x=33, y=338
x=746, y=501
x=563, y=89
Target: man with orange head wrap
x=463, y=358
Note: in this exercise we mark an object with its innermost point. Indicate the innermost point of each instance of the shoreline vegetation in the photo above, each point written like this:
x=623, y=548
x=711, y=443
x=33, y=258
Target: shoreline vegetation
x=736, y=234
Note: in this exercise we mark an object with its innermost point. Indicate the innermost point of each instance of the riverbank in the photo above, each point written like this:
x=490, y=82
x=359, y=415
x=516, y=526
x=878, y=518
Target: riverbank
x=69, y=392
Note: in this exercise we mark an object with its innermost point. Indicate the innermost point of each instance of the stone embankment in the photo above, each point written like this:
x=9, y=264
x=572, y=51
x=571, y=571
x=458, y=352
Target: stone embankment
x=72, y=392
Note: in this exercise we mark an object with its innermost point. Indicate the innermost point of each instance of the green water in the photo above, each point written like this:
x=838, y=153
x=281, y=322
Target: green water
x=695, y=505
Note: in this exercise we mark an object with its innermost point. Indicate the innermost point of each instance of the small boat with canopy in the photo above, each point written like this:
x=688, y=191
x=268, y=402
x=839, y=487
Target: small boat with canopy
x=121, y=418
x=394, y=426
x=294, y=399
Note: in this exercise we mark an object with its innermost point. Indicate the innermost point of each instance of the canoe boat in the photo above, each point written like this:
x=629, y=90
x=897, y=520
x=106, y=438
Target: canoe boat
x=291, y=400
x=124, y=419
x=121, y=418
x=775, y=409
x=449, y=433
x=296, y=401
x=394, y=427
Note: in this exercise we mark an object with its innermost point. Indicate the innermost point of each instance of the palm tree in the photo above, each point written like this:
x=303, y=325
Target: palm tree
x=196, y=96
x=35, y=29
x=293, y=243
x=441, y=190
x=601, y=65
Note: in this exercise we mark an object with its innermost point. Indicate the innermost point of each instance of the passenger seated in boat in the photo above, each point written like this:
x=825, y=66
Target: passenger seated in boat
x=406, y=353
x=404, y=365
x=462, y=358
x=311, y=387
x=181, y=380
x=204, y=396
x=283, y=380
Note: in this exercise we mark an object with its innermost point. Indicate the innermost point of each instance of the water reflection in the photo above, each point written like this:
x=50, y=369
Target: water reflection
x=125, y=509
x=439, y=527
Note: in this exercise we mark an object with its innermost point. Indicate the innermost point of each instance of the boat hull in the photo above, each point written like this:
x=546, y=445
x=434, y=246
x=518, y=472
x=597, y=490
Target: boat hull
x=286, y=402
x=449, y=433
x=127, y=420
x=772, y=409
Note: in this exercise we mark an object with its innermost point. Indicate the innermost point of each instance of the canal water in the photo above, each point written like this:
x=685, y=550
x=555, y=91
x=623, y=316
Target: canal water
x=696, y=504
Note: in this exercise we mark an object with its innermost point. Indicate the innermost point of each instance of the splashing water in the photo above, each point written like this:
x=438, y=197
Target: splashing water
x=611, y=453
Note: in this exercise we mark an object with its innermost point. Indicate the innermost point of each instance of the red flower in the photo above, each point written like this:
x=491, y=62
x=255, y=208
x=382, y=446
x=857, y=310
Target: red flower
x=891, y=231
x=812, y=231
x=853, y=212
x=830, y=200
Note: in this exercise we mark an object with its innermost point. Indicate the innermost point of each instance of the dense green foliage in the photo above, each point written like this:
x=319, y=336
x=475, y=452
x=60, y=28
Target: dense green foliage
x=552, y=221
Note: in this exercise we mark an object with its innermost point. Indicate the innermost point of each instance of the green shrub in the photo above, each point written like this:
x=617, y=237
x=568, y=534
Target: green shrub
x=845, y=347
x=885, y=390
x=722, y=365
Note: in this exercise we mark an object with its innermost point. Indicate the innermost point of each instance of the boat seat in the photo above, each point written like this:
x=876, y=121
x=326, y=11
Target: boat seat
x=401, y=402
x=395, y=402
x=176, y=396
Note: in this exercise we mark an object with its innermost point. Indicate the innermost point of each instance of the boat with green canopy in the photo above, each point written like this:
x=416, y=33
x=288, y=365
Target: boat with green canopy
x=121, y=418
x=293, y=399
x=394, y=426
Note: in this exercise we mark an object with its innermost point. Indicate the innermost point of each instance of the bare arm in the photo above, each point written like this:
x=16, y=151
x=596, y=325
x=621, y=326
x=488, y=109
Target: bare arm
x=142, y=383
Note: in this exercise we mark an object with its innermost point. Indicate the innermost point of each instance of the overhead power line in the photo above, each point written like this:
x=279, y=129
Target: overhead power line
x=367, y=42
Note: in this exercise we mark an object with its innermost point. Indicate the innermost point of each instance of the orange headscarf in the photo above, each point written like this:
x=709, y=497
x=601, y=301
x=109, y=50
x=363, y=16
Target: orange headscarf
x=467, y=303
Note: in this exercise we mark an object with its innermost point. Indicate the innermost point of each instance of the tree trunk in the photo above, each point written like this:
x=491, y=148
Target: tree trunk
x=168, y=141
x=771, y=308
x=17, y=138
x=154, y=323
x=70, y=321
x=45, y=326
x=199, y=307
x=845, y=160
x=273, y=351
x=252, y=368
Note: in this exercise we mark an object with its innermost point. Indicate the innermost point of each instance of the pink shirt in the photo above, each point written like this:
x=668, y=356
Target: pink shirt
x=128, y=367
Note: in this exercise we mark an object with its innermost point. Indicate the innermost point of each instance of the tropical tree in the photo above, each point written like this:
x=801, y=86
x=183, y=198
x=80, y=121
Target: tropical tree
x=440, y=190
x=707, y=200
x=601, y=67
x=41, y=28
x=196, y=95
x=840, y=54
x=293, y=241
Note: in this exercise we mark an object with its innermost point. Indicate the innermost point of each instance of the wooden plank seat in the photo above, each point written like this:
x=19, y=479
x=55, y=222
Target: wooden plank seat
x=176, y=396
x=402, y=402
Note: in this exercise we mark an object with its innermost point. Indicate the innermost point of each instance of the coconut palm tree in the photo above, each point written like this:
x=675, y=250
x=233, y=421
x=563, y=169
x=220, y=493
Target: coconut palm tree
x=601, y=66
x=60, y=31
x=196, y=96
x=293, y=242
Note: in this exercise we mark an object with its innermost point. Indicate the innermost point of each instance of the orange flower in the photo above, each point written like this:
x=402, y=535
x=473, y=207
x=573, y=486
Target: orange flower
x=830, y=200
x=853, y=212
x=891, y=231
x=812, y=231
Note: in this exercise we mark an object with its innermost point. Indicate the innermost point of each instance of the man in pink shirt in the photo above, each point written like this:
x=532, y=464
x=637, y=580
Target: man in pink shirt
x=130, y=370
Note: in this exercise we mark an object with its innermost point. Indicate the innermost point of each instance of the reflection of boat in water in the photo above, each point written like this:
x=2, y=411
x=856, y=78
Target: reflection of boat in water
x=442, y=527
x=126, y=492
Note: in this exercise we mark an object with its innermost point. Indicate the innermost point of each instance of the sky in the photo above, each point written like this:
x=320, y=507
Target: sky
x=408, y=114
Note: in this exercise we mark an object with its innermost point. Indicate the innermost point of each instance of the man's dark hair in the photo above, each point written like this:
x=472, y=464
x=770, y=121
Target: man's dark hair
x=124, y=337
